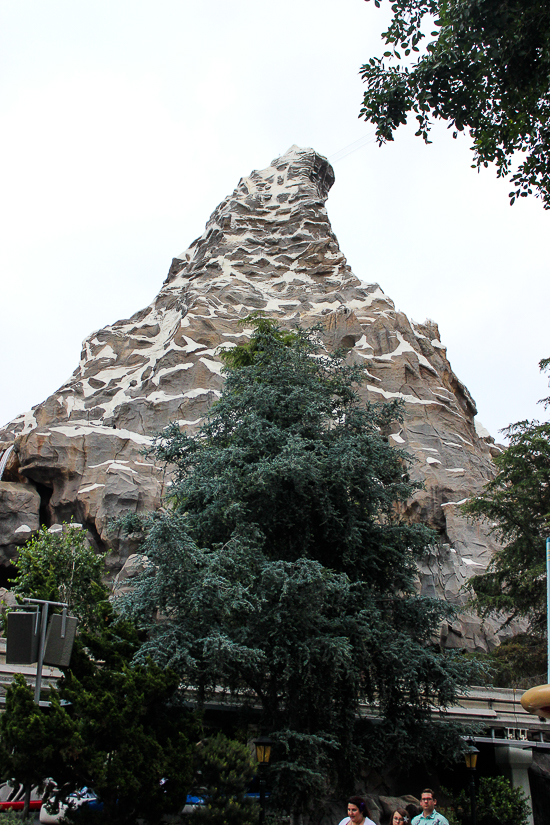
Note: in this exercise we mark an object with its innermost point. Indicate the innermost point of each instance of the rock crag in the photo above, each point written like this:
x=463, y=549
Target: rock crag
x=269, y=246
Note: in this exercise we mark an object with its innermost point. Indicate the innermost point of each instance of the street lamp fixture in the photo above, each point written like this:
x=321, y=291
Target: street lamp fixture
x=470, y=757
x=263, y=750
x=263, y=754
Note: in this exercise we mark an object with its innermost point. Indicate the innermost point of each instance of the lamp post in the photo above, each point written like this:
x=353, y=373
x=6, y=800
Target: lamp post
x=470, y=757
x=263, y=754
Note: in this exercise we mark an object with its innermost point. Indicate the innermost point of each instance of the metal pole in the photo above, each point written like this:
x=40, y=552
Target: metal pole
x=548, y=609
x=45, y=601
x=41, y=648
x=262, y=797
x=473, y=795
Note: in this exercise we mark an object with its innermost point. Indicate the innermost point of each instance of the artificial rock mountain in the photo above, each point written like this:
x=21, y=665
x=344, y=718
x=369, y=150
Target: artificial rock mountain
x=268, y=246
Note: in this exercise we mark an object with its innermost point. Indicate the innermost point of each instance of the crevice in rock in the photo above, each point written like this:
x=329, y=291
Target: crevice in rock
x=94, y=538
x=74, y=512
x=45, y=496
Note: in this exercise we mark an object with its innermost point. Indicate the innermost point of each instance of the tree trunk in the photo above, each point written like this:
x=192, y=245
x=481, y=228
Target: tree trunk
x=26, y=802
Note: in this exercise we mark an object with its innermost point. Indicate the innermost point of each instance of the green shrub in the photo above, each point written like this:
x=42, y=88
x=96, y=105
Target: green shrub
x=13, y=818
x=62, y=567
x=497, y=803
x=224, y=768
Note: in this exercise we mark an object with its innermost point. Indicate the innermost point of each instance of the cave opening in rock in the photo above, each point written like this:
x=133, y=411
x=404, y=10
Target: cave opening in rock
x=8, y=572
x=45, y=496
x=348, y=342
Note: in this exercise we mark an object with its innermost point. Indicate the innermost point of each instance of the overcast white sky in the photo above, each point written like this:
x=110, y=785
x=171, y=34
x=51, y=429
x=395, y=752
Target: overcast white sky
x=123, y=123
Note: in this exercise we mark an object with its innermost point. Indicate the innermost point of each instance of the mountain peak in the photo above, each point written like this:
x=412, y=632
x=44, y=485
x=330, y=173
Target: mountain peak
x=256, y=229
x=268, y=247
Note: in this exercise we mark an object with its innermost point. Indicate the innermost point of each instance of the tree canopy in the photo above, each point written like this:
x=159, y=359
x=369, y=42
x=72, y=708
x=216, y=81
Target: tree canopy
x=290, y=450
x=283, y=574
x=484, y=66
x=62, y=567
x=516, y=505
x=112, y=725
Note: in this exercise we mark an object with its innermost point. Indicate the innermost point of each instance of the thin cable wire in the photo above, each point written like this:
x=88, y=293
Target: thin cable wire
x=353, y=147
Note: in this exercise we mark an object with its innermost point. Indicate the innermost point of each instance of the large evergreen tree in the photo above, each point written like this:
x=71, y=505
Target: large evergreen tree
x=284, y=574
x=516, y=506
x=516, y=503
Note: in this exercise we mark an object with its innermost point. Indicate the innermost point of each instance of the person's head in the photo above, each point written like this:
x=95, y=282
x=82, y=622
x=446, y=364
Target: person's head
x=357, y=809
x=400, y=817
x=427, y=801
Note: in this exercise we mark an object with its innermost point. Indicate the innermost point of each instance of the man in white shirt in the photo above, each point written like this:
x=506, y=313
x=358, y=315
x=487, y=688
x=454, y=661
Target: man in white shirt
x=429, y=815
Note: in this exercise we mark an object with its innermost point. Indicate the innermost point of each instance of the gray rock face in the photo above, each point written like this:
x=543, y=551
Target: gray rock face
x=268, y=246
x=133, y=565
x=19, y=516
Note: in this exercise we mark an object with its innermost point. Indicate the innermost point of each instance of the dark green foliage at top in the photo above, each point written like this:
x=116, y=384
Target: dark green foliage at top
x=244, y=355
x=224, y=770
x=498, y=803
x=544, y=366
x=485, y=68
x=516, y=505
x=284, y=574
x=62, y=567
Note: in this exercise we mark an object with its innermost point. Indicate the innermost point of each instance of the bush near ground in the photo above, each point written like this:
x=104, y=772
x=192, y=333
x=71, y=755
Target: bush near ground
x=13, y=818
x=224, y=768
x=497, y=803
